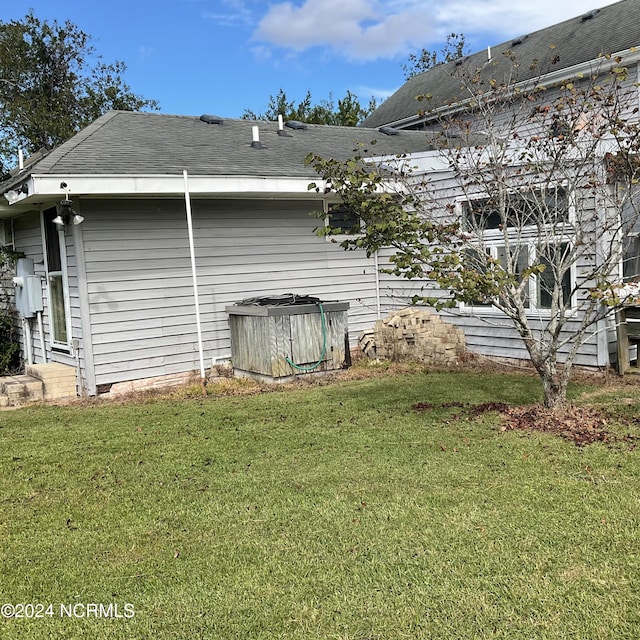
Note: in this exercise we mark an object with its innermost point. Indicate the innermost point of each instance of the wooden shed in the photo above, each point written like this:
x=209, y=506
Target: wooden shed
x=276, y=342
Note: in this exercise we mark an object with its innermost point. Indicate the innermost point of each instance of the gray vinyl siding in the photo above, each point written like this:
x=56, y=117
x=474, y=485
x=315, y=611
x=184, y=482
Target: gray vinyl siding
x=139, y=284
x=487, y=331
x=28, y=240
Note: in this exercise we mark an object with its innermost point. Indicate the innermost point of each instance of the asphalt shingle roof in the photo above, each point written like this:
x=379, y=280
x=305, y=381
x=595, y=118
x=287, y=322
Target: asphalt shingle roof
x=133, y=143
x=611, y=29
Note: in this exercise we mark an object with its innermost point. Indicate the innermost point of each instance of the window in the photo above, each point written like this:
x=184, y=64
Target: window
x=342, y=220
x=517, y=209
x=55, y=258
x=524, y=256
x=629, y=199
x=524, y=213
x=547, y=279
x=631, y=259
x=520, y=257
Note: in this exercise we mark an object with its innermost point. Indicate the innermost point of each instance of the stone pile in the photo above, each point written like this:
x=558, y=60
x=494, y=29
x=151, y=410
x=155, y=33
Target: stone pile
x=414, y=333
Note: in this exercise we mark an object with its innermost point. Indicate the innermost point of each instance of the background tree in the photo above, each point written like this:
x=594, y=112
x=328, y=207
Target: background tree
x=52, y=84
x=348, y=112
x=455, y=47
x=533, y=217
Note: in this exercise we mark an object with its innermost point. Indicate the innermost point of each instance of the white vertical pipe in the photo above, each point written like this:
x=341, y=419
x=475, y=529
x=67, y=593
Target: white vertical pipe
x=187, y=202
x=377, y=268
x=20, y=160
x=27, y=340
x=41, y=332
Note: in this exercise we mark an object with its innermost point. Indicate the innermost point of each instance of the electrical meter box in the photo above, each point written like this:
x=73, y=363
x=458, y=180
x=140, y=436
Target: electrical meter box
x=28, y=289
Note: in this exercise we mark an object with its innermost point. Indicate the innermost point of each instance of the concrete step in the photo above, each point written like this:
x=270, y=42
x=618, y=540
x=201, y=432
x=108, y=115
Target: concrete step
x=58, y=380
x=20, y=390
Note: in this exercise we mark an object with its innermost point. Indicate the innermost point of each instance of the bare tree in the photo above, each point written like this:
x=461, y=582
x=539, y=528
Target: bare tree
x=531, y=216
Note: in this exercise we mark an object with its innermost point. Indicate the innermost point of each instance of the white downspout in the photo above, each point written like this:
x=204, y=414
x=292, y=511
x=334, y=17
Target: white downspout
x=187, y=202
x=41, y=332
x=378, y=304
x=27, y=340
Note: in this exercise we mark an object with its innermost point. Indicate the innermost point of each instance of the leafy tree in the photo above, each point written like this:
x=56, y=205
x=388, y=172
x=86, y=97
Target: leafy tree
x=52, y=84
x=455, y=47
x=348, y=112
x=9, y=345
x=532, y=218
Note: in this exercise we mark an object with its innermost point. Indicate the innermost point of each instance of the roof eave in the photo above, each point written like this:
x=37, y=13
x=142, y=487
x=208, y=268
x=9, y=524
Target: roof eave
x=630, y=56
x=44, y=190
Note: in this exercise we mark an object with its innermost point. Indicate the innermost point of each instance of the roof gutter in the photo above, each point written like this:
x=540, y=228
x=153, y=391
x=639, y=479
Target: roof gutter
x=45, y=189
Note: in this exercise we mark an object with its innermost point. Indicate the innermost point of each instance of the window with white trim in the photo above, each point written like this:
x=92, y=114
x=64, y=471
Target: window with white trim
x=631, y=259
x=523, y=213
x=631, y=239
x=57, y=286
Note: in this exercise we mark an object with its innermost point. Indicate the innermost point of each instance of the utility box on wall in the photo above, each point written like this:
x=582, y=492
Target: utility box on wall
x=276, y=338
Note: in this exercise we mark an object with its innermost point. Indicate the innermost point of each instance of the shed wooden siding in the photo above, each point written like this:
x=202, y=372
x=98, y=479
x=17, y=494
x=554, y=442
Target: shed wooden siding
x=139, y=276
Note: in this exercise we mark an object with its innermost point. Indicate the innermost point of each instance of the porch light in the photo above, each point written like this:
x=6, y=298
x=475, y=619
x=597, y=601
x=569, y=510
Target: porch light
x=66, y=214
x=13, y=195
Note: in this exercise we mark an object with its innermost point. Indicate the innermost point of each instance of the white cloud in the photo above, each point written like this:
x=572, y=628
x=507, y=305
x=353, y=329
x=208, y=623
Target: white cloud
x=145, y=52
x=364, y=93
x=359, y=29
x=506, y=18
x=371, y=29
x=234, y=13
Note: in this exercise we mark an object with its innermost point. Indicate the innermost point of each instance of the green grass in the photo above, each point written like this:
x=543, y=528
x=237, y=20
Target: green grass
x=332, y=512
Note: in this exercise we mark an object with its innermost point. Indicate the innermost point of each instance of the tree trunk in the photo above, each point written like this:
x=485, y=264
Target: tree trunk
x=554, y=385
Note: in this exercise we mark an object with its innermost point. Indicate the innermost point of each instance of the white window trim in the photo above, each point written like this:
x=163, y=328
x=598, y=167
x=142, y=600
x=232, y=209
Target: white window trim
x=493, y=239
x=58, y=346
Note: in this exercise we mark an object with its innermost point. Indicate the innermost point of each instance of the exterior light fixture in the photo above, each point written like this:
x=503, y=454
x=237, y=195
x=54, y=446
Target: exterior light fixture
x=66, y=214
x=13, y=195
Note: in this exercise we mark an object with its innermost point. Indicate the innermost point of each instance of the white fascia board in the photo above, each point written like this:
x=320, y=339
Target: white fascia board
x=149, y=185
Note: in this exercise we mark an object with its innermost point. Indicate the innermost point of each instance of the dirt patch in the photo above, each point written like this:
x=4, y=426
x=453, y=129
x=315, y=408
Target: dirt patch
x=581, y=425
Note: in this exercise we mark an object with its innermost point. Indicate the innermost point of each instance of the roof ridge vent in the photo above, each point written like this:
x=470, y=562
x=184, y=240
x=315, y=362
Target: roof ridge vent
x=296, y=125
x=519, y=40
x=211, y=119
x=589, y=15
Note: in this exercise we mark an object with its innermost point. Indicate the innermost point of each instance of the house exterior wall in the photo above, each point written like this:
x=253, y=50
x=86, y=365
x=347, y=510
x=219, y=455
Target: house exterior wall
x=139, y=284
x=131, y=291
x=488, y=331
x=27, y=230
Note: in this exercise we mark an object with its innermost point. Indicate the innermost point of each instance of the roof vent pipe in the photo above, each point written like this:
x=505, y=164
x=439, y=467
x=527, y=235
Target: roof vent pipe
x=281, y=131
x=255, y=134
x=20, y=160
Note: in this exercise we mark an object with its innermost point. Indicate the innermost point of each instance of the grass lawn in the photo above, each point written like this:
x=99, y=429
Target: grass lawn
x=334, y=511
